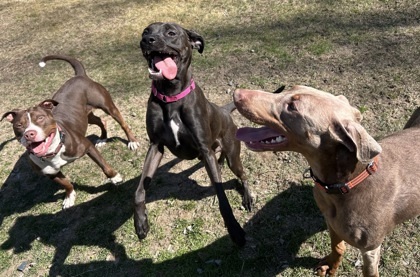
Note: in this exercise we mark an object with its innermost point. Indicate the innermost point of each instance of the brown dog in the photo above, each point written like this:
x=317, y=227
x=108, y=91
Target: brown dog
x=54, y=131
x=363, y=188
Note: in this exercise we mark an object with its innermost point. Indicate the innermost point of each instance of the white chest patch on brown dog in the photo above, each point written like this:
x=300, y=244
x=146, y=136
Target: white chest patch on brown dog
x=175, y=129
x=50, y=166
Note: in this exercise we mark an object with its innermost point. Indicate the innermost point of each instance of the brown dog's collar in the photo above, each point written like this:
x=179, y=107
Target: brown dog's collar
x=173, y=98
x=343, y=188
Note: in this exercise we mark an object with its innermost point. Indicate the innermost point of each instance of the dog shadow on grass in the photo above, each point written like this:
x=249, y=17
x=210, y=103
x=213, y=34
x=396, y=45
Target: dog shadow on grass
x=77, y=226
x=291, y=218
x=24, y=188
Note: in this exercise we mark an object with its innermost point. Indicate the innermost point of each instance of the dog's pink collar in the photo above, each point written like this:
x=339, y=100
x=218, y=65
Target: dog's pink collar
x=173, y=98
x=344, y=188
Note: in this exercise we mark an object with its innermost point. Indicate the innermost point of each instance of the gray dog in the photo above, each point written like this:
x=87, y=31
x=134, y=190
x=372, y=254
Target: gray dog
x=182, y=119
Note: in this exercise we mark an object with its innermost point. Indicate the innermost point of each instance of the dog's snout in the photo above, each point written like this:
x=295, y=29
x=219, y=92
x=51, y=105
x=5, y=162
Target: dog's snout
x=149, y=39
x=238, y=95
x=30, y=135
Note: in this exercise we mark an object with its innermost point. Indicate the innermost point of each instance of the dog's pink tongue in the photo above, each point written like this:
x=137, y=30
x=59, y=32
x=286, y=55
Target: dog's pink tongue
x=38, y=147
x=168, y=67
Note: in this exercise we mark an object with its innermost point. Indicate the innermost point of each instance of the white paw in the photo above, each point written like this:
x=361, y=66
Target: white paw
x=115, y=180
x=69, y=201
x=133, y=145
x=100, y=142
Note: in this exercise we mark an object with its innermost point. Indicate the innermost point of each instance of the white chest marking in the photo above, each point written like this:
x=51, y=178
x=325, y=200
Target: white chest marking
x=52, y=166
x=175, y=129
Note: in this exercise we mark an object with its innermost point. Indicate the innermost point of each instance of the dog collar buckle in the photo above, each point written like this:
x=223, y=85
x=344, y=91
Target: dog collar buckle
x=371, y=167
x=340, y=188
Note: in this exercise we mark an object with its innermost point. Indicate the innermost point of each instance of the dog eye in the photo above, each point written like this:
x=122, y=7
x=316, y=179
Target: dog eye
x=171, y=33
x=39, y=118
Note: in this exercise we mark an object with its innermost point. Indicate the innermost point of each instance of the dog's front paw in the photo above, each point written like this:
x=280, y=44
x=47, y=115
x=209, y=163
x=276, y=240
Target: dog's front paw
x=117, y=179
x=133, y=145
x=100, y=142
x=141, y=224
x=69, y=200
x=248, y=202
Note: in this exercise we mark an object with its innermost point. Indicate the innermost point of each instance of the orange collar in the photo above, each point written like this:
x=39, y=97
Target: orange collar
x=344, y=188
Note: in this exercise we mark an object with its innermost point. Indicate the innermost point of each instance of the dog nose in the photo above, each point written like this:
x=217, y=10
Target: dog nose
x=149, y=40
x=238, y=95
x=30, y=135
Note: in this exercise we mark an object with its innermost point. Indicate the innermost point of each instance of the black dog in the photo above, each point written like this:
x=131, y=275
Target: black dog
x=182, y=119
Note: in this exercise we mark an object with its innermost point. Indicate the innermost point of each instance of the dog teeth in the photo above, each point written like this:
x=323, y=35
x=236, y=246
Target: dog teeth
x=276, y=140
x=152, y=72
x=272, y=141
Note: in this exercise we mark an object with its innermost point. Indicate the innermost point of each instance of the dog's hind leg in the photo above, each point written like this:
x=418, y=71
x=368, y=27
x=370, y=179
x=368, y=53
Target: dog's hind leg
x=96, y=120
x=100, y=98
x=113, y=111
x=113, y=176
x=235, y=164
x=235, y=230
x=151, y=163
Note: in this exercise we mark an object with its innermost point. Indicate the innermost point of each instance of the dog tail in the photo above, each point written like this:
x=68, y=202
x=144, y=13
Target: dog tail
x=79, y=69
x=230, y=107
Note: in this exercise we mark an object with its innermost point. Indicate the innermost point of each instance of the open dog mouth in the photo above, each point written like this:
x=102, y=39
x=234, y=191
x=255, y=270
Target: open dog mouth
x=261, y=139
x=162, y=65
x=39, y=148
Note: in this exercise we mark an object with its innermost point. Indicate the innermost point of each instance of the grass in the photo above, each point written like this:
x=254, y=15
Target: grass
x=364, y=49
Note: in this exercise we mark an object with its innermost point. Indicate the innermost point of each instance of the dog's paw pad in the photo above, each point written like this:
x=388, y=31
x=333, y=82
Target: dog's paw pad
x=69, y=200
x=100, y=142
x=133, y=145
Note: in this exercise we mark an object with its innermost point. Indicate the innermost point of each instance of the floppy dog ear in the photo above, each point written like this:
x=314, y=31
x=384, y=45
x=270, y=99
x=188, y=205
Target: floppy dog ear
x=280, y=89
x=352, y=135
x=197, y=41
x=10, y=115
x=48, y=104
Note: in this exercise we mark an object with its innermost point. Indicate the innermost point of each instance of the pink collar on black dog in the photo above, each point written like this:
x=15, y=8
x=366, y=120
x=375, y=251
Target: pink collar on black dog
x=173, y=98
